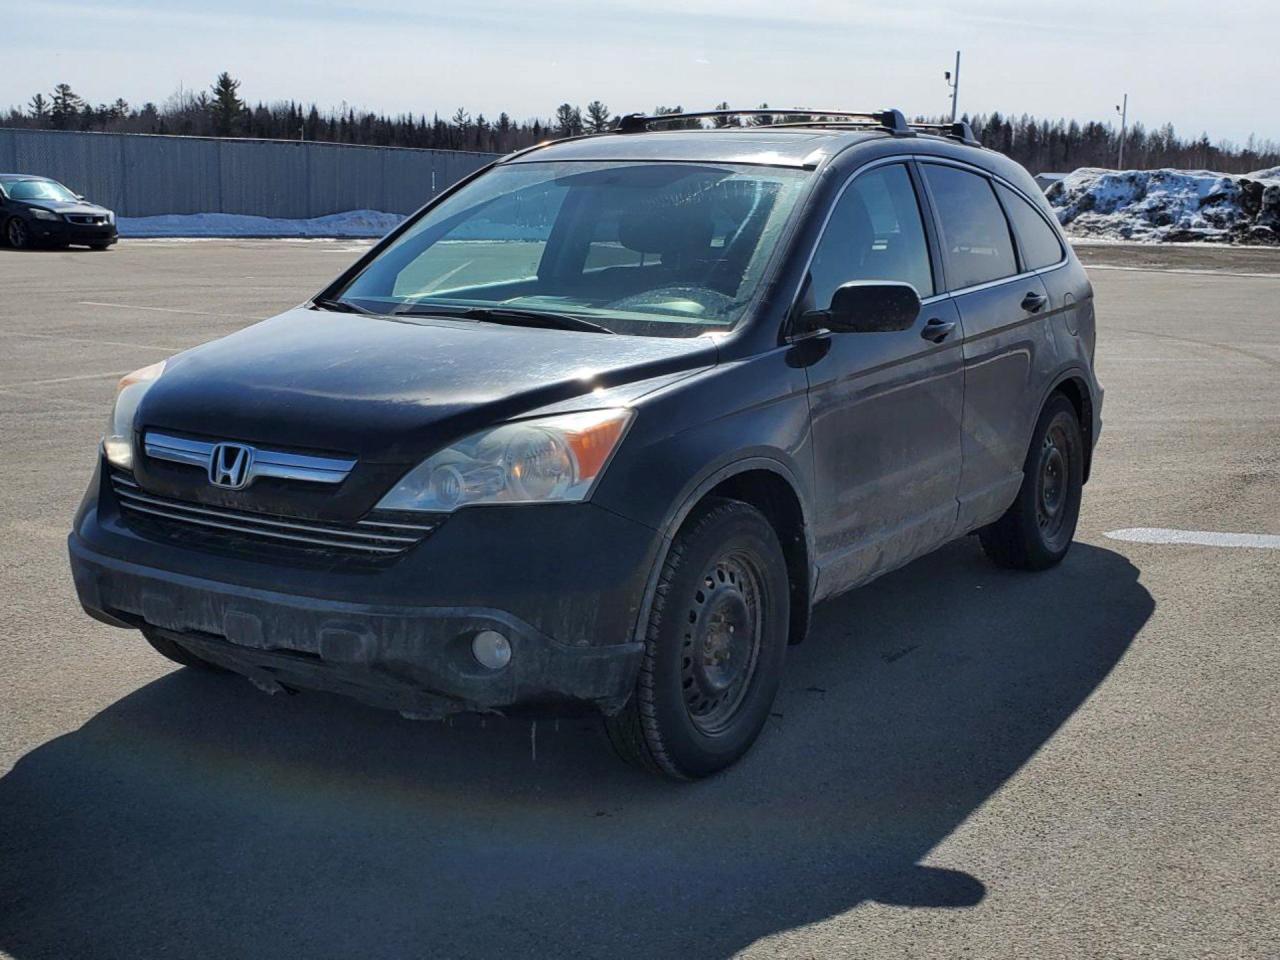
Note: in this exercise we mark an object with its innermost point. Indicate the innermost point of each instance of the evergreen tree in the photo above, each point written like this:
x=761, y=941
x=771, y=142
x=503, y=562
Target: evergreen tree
x=568, y=120
x=1040, y=144
x=724, y=121
x=226, y=108
x=597, y=117
x=64, y=106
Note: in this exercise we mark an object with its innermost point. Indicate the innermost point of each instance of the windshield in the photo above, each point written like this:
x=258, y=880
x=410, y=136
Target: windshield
x=37, y=190
x=660, y=249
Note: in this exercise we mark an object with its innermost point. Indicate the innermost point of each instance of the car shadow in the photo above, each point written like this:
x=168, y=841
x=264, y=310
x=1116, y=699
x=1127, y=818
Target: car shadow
x=197, y=817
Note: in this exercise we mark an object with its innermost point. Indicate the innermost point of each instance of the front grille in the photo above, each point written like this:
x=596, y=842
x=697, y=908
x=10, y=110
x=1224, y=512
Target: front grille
x=373, y=536
x=86, y=219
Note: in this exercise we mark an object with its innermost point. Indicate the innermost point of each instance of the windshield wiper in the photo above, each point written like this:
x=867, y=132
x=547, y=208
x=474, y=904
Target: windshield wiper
x=512, y=316
x=340, y=306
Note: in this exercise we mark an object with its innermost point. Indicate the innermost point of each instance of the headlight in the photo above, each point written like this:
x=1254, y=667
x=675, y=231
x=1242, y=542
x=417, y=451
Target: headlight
x=117, y=444
x=42, y=214
x=551, y=460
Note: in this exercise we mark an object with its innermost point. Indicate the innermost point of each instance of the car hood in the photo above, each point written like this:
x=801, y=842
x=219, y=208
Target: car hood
x=70, y=206
x=392, y=392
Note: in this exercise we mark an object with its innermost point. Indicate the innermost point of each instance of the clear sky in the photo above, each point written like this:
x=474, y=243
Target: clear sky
x=1204, y=66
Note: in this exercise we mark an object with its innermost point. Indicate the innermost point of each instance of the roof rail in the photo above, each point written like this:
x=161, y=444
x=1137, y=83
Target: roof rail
x=891, y=121
x=955, y=131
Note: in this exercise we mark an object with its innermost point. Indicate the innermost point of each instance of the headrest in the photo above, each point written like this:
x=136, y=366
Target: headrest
x=679, y=229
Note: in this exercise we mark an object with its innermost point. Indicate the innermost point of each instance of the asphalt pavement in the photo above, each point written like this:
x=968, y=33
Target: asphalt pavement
x=963, y=761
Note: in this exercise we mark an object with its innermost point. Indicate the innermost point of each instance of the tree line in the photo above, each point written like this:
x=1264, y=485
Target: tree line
x=1037, y=143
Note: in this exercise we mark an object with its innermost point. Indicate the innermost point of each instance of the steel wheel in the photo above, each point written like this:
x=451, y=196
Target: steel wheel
x=721, y=644
x=1036, y=531
x=1052, y=483
x=714, y=646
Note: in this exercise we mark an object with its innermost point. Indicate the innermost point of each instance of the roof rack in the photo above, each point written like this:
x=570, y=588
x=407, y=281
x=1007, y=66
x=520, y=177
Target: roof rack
x=956, y=131
x=890, y=120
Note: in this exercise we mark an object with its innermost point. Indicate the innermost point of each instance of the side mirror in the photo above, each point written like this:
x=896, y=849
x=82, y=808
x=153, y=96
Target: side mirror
x=868, y=306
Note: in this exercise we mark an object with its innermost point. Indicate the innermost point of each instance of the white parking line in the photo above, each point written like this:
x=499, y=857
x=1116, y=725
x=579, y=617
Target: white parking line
x=1207, y=538
x=1191, y=270
x=134, y=306
x=98, y=343
x=117, y=374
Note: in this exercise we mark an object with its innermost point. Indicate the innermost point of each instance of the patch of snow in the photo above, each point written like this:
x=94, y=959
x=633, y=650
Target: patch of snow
x=353, y=223
x=1169, y=205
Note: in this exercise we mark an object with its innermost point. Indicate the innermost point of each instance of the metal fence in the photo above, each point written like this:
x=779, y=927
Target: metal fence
x=140, y=175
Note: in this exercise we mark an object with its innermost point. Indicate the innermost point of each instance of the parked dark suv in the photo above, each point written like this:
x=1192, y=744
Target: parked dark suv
x=37, y=211
x=599, y=426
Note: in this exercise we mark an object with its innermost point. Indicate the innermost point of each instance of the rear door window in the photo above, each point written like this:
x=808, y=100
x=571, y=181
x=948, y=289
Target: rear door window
x=875, y=233
x=976, y=242
x=1036, y=239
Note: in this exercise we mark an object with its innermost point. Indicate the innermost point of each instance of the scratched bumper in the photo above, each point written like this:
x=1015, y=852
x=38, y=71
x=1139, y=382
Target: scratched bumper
x=397, y=636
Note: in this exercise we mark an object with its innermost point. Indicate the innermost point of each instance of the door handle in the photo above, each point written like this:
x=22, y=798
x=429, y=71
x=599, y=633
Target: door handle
x=937, y=330
x=1033, y=301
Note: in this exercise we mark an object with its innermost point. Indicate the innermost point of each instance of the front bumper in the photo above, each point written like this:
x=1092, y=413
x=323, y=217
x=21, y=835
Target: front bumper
x=397, y=636
x=60, y=232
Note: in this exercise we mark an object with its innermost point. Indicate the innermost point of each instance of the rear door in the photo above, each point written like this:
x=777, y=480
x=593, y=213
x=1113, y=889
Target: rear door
x=886, y=407
x=1003, y=307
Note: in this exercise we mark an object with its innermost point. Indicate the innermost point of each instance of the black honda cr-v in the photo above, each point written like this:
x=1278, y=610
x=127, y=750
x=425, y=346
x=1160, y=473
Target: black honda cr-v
x=599, y=425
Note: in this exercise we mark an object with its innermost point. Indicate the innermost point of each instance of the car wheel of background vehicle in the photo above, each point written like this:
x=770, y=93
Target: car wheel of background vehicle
x=714, y=648
x=178, y=654
x=17, y=234
x=1035, y=533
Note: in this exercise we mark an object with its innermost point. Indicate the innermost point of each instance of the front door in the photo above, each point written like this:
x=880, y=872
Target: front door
x=885, y=407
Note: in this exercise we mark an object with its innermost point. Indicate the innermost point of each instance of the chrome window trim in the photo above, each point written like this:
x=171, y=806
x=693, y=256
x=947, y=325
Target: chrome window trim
x=266, y=463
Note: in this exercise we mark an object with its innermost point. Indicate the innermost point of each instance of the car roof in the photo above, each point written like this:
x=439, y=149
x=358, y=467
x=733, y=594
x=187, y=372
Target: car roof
x=775, y=146
x=12, y=177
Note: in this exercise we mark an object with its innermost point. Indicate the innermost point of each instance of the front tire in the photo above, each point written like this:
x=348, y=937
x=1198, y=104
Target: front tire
x=1035, y=533
x=714, y=649
x=17, y=233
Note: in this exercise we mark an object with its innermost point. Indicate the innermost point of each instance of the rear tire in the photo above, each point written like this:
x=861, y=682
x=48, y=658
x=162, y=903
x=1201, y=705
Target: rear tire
x=1036, y=531
x=714, y=648
x=179, y=654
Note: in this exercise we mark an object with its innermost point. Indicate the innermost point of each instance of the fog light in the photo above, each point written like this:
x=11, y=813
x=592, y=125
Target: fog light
x=491, y=649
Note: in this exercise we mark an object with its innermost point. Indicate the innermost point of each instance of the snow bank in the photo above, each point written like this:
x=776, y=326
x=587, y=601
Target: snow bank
x=354, y=223
x=1169, y=205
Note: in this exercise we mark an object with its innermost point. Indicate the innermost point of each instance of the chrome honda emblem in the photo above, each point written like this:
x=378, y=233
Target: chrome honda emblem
x=230, y=465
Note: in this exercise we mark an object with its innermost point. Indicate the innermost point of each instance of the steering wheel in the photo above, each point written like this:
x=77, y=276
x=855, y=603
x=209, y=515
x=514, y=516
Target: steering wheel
x=695, y=301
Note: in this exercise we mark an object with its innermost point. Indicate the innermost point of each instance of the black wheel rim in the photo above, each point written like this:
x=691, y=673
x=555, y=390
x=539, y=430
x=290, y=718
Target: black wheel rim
x=1053, y=484
x=17, y=233
x=721, y=643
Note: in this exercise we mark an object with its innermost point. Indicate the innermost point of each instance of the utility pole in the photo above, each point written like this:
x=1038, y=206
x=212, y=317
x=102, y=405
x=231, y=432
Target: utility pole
x=1124, y=119
x=953, y=81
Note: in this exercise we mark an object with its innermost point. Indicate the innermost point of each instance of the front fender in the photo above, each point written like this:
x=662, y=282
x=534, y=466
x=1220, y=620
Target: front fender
x=687, y=439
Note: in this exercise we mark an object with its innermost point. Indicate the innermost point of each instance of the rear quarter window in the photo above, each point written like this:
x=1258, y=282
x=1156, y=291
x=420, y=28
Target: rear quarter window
x=976, y=242
x=1036, y=239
